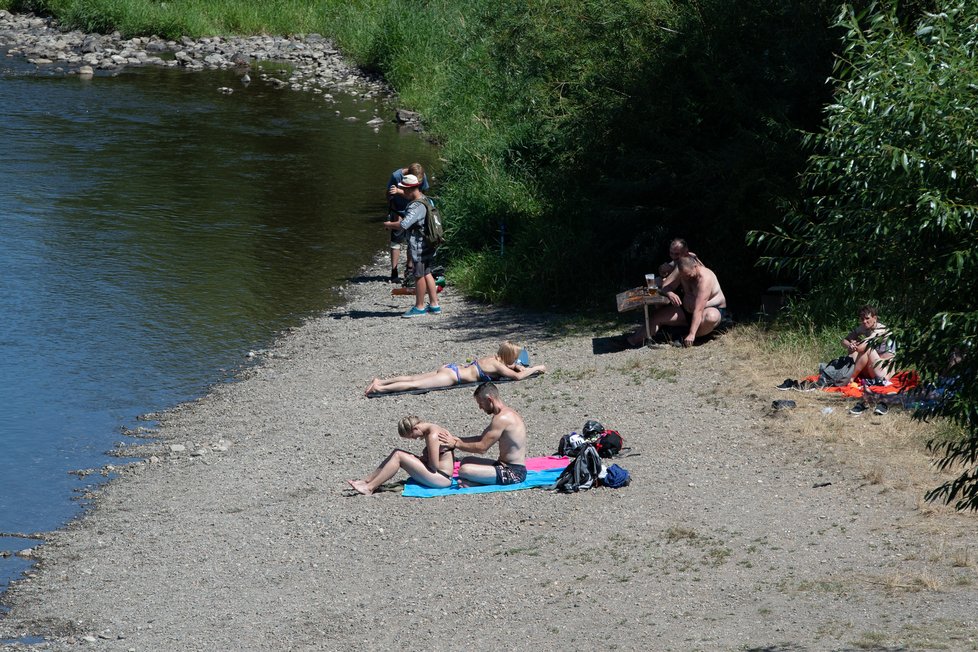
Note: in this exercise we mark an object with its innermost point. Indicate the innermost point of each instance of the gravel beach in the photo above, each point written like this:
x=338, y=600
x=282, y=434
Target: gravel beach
x=239, y=531
x=236, y=530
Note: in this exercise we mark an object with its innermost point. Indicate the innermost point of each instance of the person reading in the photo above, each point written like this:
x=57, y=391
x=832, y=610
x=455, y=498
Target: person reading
x=433, y=468
x=502, y=365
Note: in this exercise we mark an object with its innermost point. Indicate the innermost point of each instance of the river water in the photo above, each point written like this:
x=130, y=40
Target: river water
x=154, y=231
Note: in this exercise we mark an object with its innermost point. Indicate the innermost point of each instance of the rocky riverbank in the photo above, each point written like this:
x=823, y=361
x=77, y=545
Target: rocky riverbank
x=312, y=62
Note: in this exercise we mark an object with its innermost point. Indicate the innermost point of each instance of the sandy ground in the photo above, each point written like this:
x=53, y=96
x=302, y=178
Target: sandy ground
x=731, y=536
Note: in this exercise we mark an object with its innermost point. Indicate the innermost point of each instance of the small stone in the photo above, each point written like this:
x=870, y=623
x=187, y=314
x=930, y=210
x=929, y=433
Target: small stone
x=177, y=448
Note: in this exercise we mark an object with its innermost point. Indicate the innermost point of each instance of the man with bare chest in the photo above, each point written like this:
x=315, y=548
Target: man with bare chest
x=505, y=429
x=701, y=307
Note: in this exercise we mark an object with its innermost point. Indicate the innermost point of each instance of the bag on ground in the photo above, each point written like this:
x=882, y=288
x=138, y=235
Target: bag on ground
x=609, y=443
x=580, y=474
x=616, y=477
x=837, y=372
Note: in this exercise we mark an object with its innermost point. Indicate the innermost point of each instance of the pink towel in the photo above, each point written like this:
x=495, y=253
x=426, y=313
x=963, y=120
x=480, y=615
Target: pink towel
x=539, y=463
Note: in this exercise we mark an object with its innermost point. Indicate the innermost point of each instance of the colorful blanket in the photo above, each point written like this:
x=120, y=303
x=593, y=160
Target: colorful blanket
x=540, y=472
x=901, y=382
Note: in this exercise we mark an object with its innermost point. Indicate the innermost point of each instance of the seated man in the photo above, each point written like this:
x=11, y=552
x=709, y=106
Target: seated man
x=507, y=429
x=870, y=345
x=701, y=307
x=670, y=271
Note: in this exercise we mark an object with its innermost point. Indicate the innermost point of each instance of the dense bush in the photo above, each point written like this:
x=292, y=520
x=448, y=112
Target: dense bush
x=579, y=136
x=891, y=216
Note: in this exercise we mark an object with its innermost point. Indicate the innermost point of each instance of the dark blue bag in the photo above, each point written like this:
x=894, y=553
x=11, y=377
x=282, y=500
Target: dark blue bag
x=616, y=477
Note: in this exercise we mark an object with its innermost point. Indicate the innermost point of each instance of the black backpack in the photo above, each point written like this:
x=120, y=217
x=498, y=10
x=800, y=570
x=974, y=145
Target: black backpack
x=580, y=474
x=434, y=231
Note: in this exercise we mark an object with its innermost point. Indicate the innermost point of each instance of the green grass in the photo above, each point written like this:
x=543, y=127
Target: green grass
x=577, y=138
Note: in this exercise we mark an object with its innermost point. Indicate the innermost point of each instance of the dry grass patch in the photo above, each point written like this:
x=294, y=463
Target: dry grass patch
x=890, y=450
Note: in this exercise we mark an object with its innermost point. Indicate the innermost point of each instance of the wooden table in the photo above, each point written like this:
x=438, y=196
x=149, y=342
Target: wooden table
x=640, y=298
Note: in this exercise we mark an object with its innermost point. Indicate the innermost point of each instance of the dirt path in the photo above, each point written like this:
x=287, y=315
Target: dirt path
x=730, y=536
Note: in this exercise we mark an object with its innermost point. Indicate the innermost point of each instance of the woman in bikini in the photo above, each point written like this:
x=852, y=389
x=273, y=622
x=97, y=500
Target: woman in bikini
x=433, y=468
x=501, y=365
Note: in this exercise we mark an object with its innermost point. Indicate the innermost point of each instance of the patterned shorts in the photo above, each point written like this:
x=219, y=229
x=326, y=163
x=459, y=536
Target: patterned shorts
x=509, y=473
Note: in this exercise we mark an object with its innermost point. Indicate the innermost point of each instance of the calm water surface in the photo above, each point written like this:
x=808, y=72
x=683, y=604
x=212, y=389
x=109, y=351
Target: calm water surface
x=153, y=232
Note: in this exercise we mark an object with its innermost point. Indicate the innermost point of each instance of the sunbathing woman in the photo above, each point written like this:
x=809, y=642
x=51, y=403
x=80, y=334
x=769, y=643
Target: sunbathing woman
x=502, y=365
x=433, y=468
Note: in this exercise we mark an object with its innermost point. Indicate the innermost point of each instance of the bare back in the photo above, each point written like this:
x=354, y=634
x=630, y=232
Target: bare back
x=512, y=440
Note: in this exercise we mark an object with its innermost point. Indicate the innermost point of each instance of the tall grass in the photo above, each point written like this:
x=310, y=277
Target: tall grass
x=583, y=135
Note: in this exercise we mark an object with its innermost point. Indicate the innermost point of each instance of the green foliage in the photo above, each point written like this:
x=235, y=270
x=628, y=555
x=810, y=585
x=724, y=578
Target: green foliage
x=584, y=134
x=892, y=213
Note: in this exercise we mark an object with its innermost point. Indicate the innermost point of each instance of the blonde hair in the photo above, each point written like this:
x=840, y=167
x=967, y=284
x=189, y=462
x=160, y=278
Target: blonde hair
x=508, y=352
x=406, y=425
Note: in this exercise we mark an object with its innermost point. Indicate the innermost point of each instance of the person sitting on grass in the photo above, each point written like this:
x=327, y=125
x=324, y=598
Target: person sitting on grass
x=433, y=468
x=502, y=365
x=870, y=345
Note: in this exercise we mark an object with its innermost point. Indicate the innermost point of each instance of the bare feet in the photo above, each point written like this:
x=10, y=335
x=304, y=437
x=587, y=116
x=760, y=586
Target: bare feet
x=360, y=486
x=372, y=387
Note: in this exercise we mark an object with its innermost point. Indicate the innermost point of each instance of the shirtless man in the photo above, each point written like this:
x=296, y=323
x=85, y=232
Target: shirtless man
x=507, y=429
x=701, y=307
x=670, y=271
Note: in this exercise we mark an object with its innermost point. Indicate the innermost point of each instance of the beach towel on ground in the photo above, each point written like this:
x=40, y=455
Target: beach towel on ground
x=901, y=382
x=540, y=472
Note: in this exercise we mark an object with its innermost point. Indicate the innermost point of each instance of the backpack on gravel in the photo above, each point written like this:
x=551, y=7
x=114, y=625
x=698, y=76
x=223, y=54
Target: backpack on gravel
x=580, y=474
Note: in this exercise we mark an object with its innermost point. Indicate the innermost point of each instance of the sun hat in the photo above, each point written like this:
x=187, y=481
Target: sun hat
x=409, y=181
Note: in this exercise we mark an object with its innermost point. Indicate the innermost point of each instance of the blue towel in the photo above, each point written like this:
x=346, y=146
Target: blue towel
x=533, y=479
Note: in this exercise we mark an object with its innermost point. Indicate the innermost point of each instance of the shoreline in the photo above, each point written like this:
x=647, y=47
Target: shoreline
x=317, y=65
x=243, y=534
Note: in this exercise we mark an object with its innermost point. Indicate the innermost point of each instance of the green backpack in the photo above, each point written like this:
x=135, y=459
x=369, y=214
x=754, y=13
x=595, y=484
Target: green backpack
x=434, y=231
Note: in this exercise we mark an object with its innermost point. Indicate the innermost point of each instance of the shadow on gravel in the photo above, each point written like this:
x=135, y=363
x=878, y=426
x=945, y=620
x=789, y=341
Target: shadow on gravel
x=357, y=280
x=361, y=314
x=794, y=647
x=613, y=344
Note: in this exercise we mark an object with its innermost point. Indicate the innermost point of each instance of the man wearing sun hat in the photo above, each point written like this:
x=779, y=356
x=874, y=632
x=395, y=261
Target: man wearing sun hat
x=418, y=251
x=396, y=203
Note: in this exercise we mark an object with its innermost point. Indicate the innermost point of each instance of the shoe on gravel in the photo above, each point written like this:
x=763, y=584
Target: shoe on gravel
x=858, y=409
x=789, y=383
x=414, y=312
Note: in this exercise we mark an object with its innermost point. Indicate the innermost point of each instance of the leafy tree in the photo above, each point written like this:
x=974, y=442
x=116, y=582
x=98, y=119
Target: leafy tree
x=892, y=199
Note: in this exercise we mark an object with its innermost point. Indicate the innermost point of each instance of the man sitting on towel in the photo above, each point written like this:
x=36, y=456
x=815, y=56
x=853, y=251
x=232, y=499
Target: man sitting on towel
x=507, y=429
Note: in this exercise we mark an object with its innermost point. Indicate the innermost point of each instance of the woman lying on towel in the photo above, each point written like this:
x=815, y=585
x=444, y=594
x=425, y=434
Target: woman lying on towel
x=503, y=365
x=433, y=468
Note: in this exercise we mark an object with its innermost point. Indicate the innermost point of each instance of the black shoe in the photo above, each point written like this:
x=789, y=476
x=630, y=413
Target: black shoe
x=395, y=277
x=807, y=386
x=787, y=384
x=858, y=409
x=881, y=409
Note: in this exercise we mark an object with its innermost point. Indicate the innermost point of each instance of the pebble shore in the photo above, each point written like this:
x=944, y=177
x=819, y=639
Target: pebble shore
x=313, y=62
x=234, y=529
